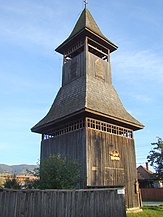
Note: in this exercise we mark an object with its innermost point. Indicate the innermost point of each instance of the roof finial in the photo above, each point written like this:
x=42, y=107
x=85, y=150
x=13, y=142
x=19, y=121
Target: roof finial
x=85, y=2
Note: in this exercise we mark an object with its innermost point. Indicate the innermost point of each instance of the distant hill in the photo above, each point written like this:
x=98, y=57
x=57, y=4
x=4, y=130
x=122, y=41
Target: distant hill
x=17, y=169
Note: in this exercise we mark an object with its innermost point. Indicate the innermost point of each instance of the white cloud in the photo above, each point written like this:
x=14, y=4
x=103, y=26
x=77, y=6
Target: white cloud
x=143, y=64
x=29, y=23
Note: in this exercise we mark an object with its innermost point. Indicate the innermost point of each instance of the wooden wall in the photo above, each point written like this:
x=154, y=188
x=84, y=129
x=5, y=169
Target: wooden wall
x=152, y=194
x=95, y=150
x=98, y=68
x=73, y=69
x=102, y=170
x=62, y=203
x=71, y=145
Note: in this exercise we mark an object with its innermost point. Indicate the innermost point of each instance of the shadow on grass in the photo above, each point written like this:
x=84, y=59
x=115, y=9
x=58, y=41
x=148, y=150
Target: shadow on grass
x=155, y=208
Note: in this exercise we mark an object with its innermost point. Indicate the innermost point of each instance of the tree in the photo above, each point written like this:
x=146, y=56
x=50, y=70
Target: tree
x=12, y=183
x=31, y=184
x=155, y=158
x=58, y=172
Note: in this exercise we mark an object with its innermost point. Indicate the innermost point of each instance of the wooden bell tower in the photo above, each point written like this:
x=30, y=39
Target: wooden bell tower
x=87, y=120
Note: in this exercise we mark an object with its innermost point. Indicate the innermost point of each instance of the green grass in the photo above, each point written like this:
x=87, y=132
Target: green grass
x=150, y=211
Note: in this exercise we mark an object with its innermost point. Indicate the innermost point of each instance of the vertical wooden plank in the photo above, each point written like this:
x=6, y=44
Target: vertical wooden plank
x=69, y=203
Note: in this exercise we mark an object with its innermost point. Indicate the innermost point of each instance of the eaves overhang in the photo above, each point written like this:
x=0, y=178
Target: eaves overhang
x=116, y=120
x=83, y=33
x=83, y=113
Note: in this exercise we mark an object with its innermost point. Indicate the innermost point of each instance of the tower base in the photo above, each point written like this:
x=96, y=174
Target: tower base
x=134, y=210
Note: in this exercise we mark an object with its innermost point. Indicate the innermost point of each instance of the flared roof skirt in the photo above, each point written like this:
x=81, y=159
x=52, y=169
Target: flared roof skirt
x=76, y=97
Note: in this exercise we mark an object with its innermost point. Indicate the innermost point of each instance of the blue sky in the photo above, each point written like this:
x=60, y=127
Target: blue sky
x=30, y=69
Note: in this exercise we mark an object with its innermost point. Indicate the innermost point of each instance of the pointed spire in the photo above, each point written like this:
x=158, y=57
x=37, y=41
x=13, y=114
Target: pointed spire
x=86, y=24
x=86, y=21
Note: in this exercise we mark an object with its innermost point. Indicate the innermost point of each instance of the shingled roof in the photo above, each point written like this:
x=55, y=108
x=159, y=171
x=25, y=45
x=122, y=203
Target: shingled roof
x=80, y=95
x=70, y=99
x=103, y=98
x=144, y=174
x=86, y=94
x=86, y=23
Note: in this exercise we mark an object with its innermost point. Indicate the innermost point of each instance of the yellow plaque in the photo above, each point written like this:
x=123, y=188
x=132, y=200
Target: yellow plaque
x=114, y=155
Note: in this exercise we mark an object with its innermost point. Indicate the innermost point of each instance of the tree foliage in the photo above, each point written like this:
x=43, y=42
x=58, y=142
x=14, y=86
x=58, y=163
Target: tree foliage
x=12, y=183
x=58, y=172
x=155, y=157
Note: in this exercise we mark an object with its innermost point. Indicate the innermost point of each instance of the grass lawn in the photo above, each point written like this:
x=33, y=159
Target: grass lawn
x=149, y=211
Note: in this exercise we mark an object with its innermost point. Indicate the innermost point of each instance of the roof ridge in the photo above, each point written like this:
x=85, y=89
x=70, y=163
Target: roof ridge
x=148, y=171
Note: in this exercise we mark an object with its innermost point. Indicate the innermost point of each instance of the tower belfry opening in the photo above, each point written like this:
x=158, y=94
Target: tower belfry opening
x=87, y=120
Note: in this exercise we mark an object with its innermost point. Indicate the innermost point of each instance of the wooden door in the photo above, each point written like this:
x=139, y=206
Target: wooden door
x=105, y=164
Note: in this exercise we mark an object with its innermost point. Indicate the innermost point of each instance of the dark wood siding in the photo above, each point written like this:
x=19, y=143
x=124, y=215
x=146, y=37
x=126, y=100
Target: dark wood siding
x=103, y=170
x=152, y=194
x=71, y=145
x=62, y=203
x=94, y=153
